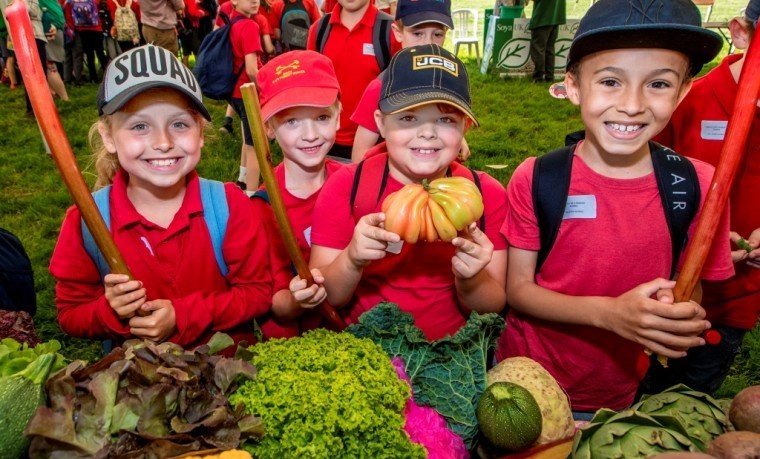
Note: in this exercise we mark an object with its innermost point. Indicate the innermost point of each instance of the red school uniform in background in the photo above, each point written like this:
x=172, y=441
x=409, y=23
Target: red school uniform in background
x=626, y=244
x=301, y=215
x=245, y=37
x=364, y=115
x=175, y=263
x=419, y=279
x=353, y=57
x=697, y=129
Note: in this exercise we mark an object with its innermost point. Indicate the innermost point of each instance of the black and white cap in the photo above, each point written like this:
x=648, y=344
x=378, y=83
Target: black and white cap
x=143, y=68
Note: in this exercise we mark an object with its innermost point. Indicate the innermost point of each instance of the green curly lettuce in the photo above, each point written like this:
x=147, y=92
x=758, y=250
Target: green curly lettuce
x=326, y=395
x=448, y=374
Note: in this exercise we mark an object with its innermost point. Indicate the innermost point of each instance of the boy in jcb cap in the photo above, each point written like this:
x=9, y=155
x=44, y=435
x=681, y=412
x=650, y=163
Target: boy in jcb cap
x=698, y=129
x=586, y=310
x=424, y=113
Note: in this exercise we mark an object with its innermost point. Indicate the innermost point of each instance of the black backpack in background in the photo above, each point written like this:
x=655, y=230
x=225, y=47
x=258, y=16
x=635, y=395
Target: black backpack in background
x=16, y=276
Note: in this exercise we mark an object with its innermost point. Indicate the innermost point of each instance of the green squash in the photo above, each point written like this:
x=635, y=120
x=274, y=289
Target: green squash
x=20, y=395
x=508, y=416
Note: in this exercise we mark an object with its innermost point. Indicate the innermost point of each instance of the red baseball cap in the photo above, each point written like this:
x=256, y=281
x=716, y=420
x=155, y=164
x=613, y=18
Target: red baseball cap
x=297, y=79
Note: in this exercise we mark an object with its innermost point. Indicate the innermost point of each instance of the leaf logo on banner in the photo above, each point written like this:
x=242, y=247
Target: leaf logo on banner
x=515, y=53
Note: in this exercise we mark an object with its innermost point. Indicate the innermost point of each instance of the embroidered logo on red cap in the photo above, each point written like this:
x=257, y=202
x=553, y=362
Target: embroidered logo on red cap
x=287, y=71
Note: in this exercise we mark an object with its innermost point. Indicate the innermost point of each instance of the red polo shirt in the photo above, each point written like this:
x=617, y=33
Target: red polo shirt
x=697, y=129
x=175, y=263
x=353, y=57
x=245, y=37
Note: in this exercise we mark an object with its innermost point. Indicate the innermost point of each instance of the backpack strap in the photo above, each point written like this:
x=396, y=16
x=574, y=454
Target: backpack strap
x=371, y=174
x=102, y=201
x=678, y=183
x=262, y=194
x=216, y=213
x=323, y=31
x=551, y=185
x=381, y=39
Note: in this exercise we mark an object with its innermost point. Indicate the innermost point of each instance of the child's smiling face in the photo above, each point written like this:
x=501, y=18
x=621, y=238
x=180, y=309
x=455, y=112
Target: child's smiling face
x=305, y=134
x=422, y=141
x=157, y=137
x=626, y=97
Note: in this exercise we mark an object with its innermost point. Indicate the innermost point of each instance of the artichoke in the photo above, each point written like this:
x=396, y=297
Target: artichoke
x=629, y=434
x=700, y=415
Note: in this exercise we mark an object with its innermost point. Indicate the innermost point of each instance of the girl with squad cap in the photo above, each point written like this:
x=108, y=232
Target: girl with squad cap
x=196, y=248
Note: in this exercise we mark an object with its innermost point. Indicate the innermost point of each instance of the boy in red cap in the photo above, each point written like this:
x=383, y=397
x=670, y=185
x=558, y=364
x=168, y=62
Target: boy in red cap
x=582, y=294
x=697, y=129
x=300, y=106
x=423, y=114
x=418, y=22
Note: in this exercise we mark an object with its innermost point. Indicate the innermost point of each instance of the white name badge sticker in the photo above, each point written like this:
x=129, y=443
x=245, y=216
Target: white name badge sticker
x=307, y=235
x=581, y=206
x=394, y=247
x=713, y=130
x=368, y=49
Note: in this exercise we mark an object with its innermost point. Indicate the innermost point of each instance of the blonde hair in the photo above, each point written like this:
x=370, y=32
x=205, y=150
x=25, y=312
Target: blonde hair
x=106, y=163
x=334, y=108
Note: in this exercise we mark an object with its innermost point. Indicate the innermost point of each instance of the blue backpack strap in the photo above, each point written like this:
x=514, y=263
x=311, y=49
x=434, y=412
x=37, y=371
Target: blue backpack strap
x=216, y=212
x=102, y=201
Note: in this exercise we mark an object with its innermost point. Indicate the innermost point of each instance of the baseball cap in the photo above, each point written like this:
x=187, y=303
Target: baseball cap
x=416, y=12
x=297, y=79
x=665, y=24
x=142, y=68
x=752, y=11
x=422, y=75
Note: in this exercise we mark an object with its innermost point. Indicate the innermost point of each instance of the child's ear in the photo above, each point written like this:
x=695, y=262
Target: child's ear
x=380, y=122
x=270, y=130
x=572, y=88
x=685, y=88
x=740, y=33
x=105, y=135
x=396, y=31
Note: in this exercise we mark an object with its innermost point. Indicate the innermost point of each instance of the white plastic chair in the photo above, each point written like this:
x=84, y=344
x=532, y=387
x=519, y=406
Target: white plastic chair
x=466, y=31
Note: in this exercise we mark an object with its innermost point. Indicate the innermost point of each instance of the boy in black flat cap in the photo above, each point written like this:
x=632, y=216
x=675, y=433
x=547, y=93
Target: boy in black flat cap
x=587, y=310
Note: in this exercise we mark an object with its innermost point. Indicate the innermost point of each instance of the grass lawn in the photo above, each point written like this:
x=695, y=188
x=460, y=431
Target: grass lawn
x=518, y=119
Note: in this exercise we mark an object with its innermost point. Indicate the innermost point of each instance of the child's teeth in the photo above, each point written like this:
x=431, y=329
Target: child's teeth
x=625, y=128
x=163, y=162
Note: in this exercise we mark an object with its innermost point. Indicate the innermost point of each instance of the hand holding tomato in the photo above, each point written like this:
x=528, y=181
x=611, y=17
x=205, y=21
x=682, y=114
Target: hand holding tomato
x=370, y=240
x=474, y=252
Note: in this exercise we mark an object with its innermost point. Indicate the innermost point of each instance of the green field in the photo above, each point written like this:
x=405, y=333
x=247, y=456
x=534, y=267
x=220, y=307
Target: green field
x=518, y=119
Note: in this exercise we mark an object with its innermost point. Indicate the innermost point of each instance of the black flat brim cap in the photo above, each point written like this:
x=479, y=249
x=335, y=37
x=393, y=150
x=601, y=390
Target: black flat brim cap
x=658, y=24
x=698, y=44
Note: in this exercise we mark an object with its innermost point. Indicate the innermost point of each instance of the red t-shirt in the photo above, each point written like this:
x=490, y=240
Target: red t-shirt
x=175, y=263
x=625, y=245
x=364, y=115
x=246, y=39
x=300, y=214
x=419, y=279
x=353, y=57
x=697, y=129
x=278, y=6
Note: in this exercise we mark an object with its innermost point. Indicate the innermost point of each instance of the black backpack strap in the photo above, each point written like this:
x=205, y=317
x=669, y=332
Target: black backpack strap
x=323, y=31
x=551, y=185
x=678, y=183
x=381, y=39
